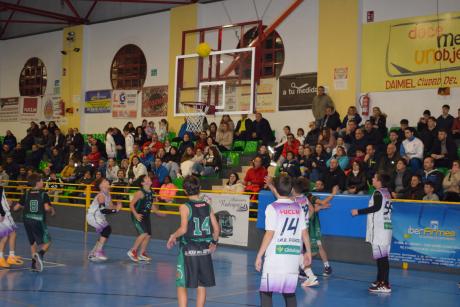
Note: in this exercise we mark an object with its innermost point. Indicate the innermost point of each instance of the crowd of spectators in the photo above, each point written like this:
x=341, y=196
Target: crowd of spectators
x=422, y=160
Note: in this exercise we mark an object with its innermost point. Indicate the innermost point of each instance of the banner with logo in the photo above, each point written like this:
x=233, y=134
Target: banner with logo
x=232, y=213
x=9, y=109
x=411, y=53
x=53, y=109
x=426, y=234
x=124, y=103
x=154, y=101
x=98, y=101
x=29, y=109
x=296, y=92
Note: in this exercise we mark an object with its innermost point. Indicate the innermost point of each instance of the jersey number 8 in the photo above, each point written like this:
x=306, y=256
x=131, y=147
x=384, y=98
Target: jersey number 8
x=33, y=205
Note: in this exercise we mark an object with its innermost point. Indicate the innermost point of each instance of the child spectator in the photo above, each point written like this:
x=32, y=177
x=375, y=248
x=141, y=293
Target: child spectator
x=356, y=182
x=428, y=188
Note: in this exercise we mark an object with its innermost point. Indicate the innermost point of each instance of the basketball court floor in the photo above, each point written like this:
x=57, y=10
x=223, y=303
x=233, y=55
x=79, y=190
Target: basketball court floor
x=70, y=280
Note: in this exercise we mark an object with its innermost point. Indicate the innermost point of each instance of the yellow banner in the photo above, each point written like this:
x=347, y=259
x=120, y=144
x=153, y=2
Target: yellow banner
x=411, y=53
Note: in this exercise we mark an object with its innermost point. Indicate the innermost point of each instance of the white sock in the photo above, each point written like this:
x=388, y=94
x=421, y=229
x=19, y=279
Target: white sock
x=12, y=253
x=1, y=254
x=309, y=272
x=326, y=264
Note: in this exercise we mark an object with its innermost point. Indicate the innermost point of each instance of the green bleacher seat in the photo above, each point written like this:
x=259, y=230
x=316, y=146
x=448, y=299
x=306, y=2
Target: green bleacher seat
x=251, y=147
x=42, y=165
x=171, y=135
x=174, y=144
x=230, y=158
x=238, y=145
x=443, y=170
x=179, y=183
x=458, y=152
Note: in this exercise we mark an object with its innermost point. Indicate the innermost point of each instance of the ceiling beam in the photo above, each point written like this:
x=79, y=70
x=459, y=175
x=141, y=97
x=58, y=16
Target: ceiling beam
x=51, y=22
x=43, y=13
x=72, y=8
x=8, y=21
x=91, y=9
x=151, y=1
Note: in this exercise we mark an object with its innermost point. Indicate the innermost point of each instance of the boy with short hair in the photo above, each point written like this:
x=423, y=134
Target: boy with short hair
x=35, y=203
x=428, y=188
x=379, y=230
x=285, y=229
x=198, y=235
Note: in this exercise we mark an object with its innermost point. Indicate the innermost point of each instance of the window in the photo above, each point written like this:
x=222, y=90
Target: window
x=129, y=68
x=271, y=51
x=32, y=81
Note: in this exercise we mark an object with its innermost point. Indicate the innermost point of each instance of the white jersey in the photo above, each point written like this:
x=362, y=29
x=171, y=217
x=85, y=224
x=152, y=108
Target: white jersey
x=7, y=226
x=94, y=216
x=379, y=227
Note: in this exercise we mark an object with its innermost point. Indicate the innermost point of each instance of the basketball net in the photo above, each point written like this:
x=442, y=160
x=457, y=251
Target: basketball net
x=195, y=113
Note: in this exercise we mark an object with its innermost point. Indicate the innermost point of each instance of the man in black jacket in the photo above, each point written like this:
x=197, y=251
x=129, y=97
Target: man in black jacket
x=243, y=128
x=262, y=130
x=444, y=150
x=387, y=164
x=334, y=177
x=331, y=119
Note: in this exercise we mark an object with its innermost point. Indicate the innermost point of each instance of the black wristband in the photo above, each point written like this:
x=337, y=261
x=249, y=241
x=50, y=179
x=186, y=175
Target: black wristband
x=214, y=241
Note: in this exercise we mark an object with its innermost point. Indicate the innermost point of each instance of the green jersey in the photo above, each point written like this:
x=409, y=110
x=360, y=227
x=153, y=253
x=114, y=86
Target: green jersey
x=144, y=205
x=34, y=202
x=199, y=228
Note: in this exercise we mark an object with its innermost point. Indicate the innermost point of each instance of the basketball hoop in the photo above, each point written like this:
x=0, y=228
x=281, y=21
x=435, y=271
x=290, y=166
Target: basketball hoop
x=195, y=113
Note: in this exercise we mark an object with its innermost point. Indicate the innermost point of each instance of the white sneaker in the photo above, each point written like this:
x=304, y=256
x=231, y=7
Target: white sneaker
x=144, y=257
x=311, y=281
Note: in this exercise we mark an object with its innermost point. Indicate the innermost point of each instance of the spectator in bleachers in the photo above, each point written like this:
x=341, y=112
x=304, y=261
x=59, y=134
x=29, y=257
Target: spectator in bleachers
x=356, y=181
x=83, y=167
x=254, y=179
x=379, y=121
x=312, y=136
x=264, y=155
x=146, y=157
x=331, y=119
x=172, y=162
x=300, y=136
x=339, y=142
x=10, y=139
x=348, y=133
x=319, y=186
x=290, y=166
x=428, y=189
x=292, y=145
x=279, y=145
x=110, y=146
x=154, y=144
x=129, y=142
x=243, y=128
x=54, y=182
x=201, y=142
x=334, y=176
x=6, y=152
x=403, y=124
x=429, y=134
x=68, y=172
x=412, y=150
x=149, y=129
x=451, y=183
x=234, y=184
x=305, y=159
x=136, y=170
x=94, y=156
x=433, y=175
x=210, y=165
x=445, y=120
x=209, y=143
x=111, y=170
x=52, y=127
x=46, y=142
x=3, y=176
x=119, y=186
x=423, y=121
x=327, y=139
x=261, y=130
x=319, y=104
x=224, y=137
x=78, y=140
x=387, y=163
x=167, y=190
x=22, y=175
x=129, y=127
x=186, y=164
x=415, y=190
x=56, y=161
x=400, y=179
x=186, y=143
x=395, y=139
x=102, y=166
x=373, y=135
x=34, y=157
x=456, y=126
x=167, y=146
x=352, y=114
x=341, y=157
x=444, y=150
x=359, y=141
x=227, y=120
x=212, y=131
x=318, y=163
x=163, y=130
x=371, y=161
x=140, y=137
x=11, y=167
x=159, y=170
x=199, y=156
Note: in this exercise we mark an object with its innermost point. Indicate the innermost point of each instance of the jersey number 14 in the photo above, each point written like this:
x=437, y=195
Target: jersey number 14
x=204, y=227
x=293, y=223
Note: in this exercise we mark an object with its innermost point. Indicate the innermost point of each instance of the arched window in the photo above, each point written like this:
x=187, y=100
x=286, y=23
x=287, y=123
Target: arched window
x=272, y=52
x=129, y=68
x=33, y=79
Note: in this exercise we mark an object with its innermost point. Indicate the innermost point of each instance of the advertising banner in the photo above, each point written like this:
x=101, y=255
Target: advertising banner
x=296, y=92
x=29, y=109
x=98, y=101
x=9, y=109
x=53, y=109
x=411, y=53
x=426, y=234
x=154, y=101
x=232, y=213
x=124, y=103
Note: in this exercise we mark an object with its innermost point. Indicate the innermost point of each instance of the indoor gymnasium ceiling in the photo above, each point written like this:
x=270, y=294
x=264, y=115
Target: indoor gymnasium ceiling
x=27, y=17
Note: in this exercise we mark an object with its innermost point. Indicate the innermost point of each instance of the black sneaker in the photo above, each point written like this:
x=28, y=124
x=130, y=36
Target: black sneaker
x=39, y=262
x=302, y=274
x=380, y=288
x=327, y=271
x=34, y=265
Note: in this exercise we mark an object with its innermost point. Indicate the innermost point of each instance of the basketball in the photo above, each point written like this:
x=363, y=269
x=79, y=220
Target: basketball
x=203, y=49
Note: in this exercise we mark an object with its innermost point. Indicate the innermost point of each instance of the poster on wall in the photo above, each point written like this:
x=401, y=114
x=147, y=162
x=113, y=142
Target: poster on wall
x=53, y=109
x=426, y=234
x=265, y=95
x=232, y=213
x=98, y=101
x=154, y=101
x=29, y=109
x=411, y=53
x=296, y=92
x=9, y=109
x=124, y=103
x=340, y=78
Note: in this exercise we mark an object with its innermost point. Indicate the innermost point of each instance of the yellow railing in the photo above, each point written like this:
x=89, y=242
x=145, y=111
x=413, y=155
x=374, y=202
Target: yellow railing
x=81, y=196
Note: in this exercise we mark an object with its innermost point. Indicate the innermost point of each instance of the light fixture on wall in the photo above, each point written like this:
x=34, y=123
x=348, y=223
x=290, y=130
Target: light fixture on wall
x=63, y=52
x=70, y=36
x=76, y=49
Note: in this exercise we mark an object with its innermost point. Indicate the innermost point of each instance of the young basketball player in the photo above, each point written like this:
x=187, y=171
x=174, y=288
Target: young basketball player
x=100, y=207
x=141, y=206
x=7, y=234
x=35, y=203
x=379, y=230
x=285, y=229
x=198, y=235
